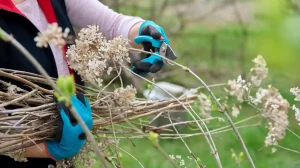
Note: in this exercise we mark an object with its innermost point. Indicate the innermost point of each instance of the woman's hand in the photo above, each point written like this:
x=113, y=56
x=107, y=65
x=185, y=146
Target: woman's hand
x=151, y=63
x=70, y=137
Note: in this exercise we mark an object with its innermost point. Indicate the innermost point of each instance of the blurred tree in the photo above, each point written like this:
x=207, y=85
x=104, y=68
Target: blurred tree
x=279, y=39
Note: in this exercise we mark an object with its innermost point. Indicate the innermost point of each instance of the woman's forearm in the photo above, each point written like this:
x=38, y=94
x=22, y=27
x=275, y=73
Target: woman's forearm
x=134, y=31
x=36, y=151
x=92, y=12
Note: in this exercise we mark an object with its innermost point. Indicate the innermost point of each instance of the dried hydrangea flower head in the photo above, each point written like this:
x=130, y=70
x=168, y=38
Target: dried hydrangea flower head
x=238, y=87
x=17, y=155
x=53, y=34
x=259, y=72
x=296, y=92
x=235, y=111
x=297, y=112
x=124, y=96
x=275, y=108
x=91, y=54
x=271, y=103
x=204, y=106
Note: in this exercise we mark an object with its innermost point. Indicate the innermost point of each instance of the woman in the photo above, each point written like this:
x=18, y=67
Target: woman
x=24, y=19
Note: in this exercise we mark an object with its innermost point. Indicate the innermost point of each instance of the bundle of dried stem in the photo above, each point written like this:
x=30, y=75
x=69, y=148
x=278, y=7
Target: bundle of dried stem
x=35, y=118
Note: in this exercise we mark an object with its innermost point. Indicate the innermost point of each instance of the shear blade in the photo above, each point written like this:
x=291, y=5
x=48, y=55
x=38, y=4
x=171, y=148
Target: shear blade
x=170, y=54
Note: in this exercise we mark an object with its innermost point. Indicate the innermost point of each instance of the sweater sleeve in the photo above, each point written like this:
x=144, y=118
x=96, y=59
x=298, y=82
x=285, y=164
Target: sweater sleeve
x=93, y=12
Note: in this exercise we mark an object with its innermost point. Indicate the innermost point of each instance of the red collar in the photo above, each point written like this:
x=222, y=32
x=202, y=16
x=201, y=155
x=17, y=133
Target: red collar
x=8, y=5
x=46, y=7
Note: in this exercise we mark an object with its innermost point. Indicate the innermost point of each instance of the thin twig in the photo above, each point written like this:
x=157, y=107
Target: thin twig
x=89, y=136
x=17, y=123
x=18, y=99
x=209, y=143
x=113, y=128
x=165, y=155
x=223, y=110
x=156, y=145
x=130, y=155
x=2, y=73
x=288, y=149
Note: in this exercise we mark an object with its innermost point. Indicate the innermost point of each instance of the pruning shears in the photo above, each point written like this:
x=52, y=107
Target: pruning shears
x=161, y=47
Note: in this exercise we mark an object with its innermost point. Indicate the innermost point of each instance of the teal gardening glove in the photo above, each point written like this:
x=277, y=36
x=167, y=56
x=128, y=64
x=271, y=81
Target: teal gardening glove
x=70, y=138
x=151, y=63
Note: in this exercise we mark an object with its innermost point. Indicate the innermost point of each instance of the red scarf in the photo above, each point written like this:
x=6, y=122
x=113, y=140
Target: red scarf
x=49, y=13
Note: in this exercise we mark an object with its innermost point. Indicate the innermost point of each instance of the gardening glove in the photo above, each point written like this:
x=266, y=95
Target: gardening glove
x=151, y=63
x=70, y=137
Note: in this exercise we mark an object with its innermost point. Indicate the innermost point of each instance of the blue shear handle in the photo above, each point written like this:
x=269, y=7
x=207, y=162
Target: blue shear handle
x=152, y=59
x=142, y=38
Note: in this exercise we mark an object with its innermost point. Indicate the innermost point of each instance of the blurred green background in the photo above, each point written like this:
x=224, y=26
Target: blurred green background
x=218, y=39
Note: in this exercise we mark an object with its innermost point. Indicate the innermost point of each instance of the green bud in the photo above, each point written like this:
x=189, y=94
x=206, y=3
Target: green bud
x=2, y=36
x=153, y=137
x=120, y=155
x=66, y=86
x=241, y=155
x=199, y=161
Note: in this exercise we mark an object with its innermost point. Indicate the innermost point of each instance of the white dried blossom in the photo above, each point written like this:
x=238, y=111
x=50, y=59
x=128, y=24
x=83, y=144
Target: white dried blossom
x=238, y=88
x=117, y=50
x=65, y=163
x=270, y=138
x=235, y=111
x=178, y=159
x=297, y=112
x=259, y=61
x=178, y=156
x=220, y=119
x=17, y=155
x=53, y=34
x=259, y=72
x=204, y=106
x=83, y=158
x=274, y=150
x=124, y=96
x=109, y=70
x=181, y=163
x=12, y=89
x=296, y=92
x=275, y=108
x=259, y=95
x=91, y=54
